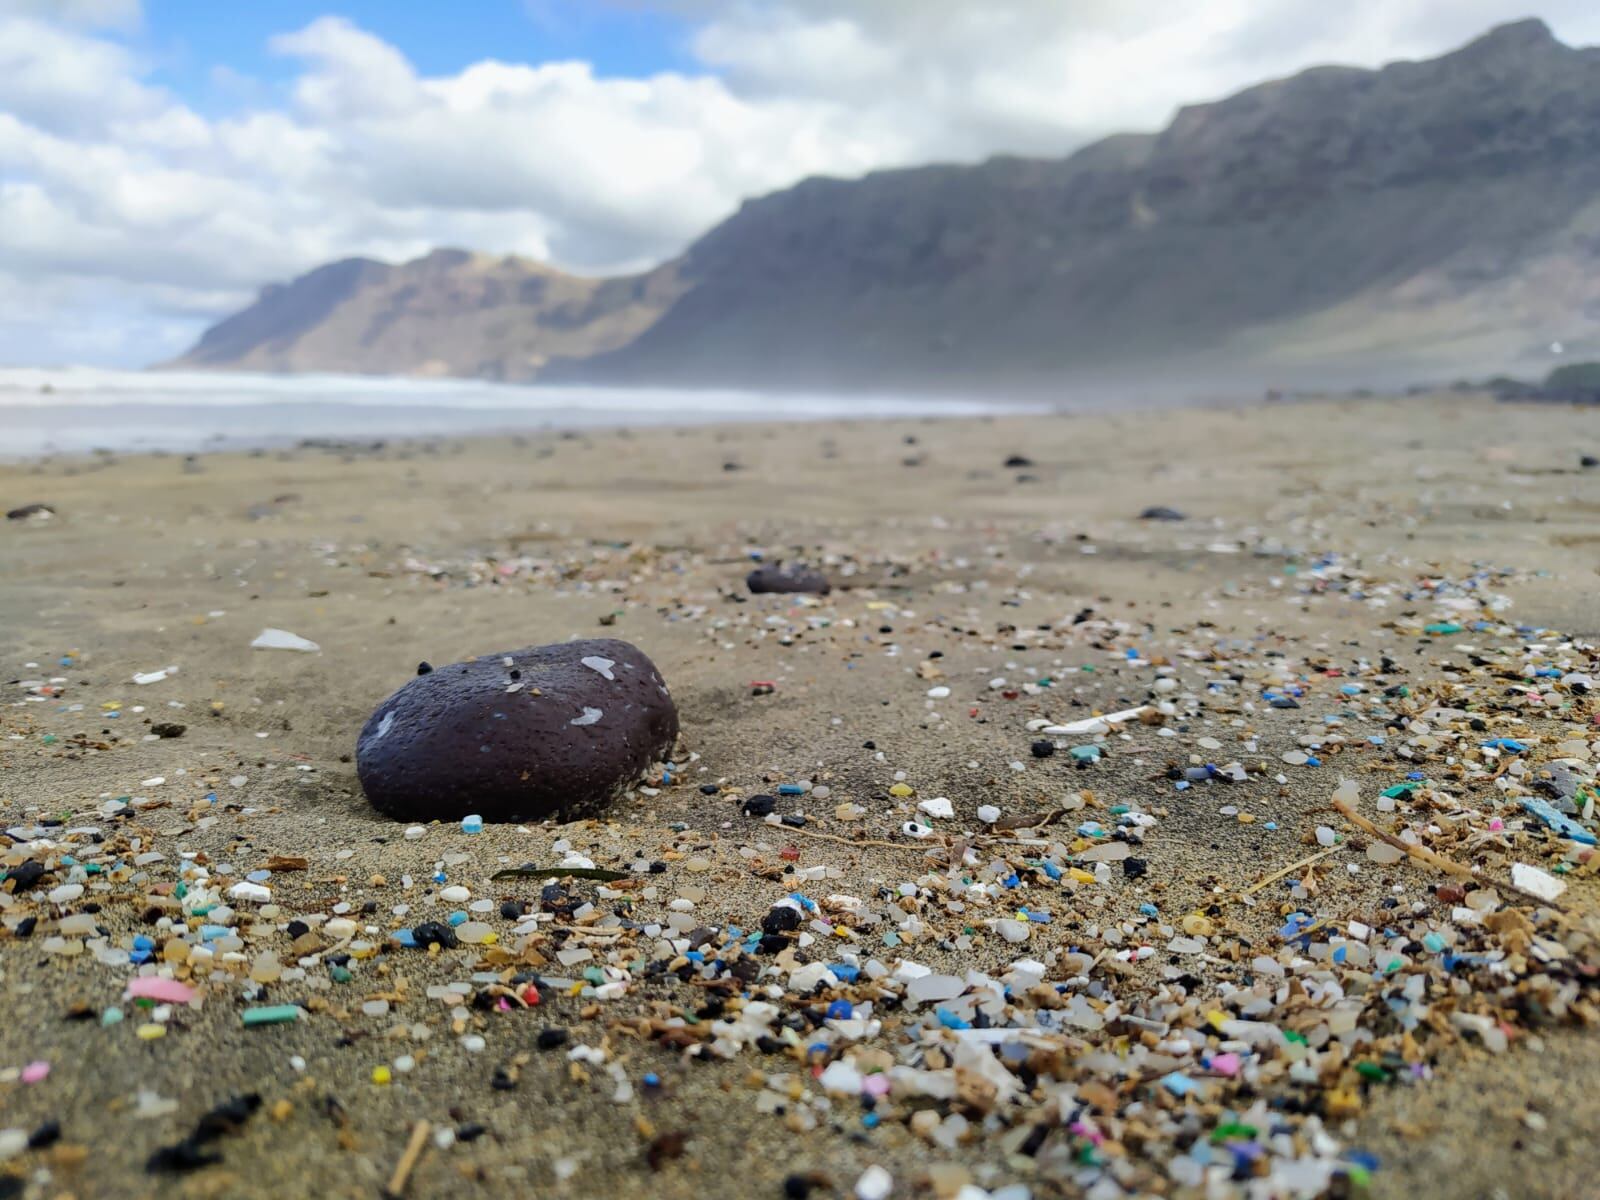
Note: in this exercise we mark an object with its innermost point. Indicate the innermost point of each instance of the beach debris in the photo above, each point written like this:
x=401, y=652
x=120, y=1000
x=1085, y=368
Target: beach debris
x=1018, y=460
x=31, y=512
x=143, y=678
x=415, y=1145
x=780, y=578
x=532, y=872
x=1536, y=881
x=1092, y=725
x=522, y=735
x=1160, y=512
x=282, y=639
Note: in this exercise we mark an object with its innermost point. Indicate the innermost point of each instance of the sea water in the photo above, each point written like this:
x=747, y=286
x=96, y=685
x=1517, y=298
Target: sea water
x=79, y=410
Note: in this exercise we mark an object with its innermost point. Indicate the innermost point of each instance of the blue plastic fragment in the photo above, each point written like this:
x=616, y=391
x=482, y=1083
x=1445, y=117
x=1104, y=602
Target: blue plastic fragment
x=1558, y=821
x=1510, y=744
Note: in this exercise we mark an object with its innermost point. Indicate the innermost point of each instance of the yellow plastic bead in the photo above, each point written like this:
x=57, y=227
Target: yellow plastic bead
x=900, y=789
x=149, y=1032
x=1080, y=875
x=381, y=1075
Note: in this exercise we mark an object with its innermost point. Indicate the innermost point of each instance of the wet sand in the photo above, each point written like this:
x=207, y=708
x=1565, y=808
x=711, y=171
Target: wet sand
x=448, y=550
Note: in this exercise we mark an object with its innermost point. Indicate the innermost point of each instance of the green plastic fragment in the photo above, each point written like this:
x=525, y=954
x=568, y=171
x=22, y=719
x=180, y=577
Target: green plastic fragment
x=271, y=1014
x=340, y=974
x=1371, y=1070
x=1230, y=1130
x=1442, y=627
x=1399, y=791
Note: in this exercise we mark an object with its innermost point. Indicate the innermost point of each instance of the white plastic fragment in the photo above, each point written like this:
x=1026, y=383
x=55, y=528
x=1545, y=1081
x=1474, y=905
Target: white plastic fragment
x=282, y=639
x=875, y=1184
x=1536, y=882
x=1101, y=724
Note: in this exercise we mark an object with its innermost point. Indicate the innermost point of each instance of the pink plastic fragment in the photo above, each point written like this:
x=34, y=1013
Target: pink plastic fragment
x=1225, y=1064
x=153, y=987
x=35, y=1072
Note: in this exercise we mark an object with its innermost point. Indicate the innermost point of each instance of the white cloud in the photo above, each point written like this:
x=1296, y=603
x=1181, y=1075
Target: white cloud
x=125, y=215
x=113, y=14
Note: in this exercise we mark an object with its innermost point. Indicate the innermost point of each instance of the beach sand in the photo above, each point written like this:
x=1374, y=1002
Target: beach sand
x=441, y=551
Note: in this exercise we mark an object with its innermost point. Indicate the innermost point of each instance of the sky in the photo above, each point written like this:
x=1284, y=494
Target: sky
x=161, y=160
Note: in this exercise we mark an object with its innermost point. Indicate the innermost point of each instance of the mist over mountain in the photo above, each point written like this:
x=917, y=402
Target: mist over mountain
x=1425, y=220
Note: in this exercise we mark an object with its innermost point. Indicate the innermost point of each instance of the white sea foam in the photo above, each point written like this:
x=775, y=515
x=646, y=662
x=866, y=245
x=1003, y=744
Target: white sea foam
x=76, y=409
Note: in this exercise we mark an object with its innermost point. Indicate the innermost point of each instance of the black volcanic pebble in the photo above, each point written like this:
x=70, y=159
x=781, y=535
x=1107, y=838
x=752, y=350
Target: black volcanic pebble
x=787, y=579
x=782, y=918
x=1162, y=513
x=433, y=932
x=759, y=806
x=548, y=731
x=27, y=511
x=26, y=875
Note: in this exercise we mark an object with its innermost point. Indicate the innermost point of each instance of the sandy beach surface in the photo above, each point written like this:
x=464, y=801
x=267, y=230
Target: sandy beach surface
x=1416, y=577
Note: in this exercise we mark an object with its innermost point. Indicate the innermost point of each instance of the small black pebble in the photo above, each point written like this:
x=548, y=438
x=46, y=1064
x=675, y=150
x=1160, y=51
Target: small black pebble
x=549, y=1039
x=470, y=1132
x=502, y=1081
x=1043, y=748
x=709, y=789
x=760, y=805
x=510, y=910
x=26, y=875
x=431, y=932
x=1133, y=868
x=46, y=1135
x=782, y=918
x=424, y=668
x=298, y=929
x=181, y=1156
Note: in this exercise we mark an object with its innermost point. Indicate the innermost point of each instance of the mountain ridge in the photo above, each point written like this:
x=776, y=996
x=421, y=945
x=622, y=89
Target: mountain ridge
x=1430, y=216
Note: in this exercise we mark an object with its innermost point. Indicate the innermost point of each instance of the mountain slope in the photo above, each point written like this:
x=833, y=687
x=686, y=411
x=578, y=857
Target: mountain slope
x=449, y=313
x=1430, y=217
